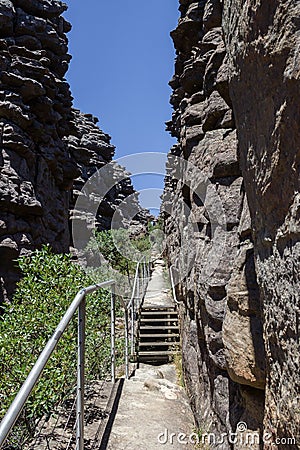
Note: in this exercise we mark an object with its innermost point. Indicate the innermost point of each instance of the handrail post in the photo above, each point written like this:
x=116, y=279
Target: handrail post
x=143, y=284
x=113, y=336
x=138, y=287
x=173, y=285
x=131, y=308
x=80, y=374
x=126, y=345
x=144, y=277
x=132, y=327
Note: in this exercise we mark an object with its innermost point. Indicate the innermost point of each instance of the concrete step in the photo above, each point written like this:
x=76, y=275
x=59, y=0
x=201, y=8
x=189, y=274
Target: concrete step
x=159, y=327
x=174, y=319
x=161, y=335
x=157, y=344
x=158, y=313
x=157, y=353
x=159, y=308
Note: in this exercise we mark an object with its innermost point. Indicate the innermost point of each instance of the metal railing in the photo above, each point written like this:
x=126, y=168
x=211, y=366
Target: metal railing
x=79, y=304
x=173, y=285
x=142, y=274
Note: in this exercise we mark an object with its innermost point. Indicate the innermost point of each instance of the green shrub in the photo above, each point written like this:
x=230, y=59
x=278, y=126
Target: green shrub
x=44, y=294
x=119, y=250
x=118, y=255
x=105, y=243
x=157, y=226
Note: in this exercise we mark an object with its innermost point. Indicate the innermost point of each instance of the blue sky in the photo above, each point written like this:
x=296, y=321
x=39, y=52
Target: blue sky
x=123, y=58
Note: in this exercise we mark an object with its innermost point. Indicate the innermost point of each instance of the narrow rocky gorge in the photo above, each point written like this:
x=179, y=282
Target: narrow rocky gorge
x=232, y=178
x=234, y=90
x=48, y=149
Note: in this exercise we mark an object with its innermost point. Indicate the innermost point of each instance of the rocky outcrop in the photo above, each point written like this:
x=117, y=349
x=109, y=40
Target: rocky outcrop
x=235, y=117
x=35, y=105
x=221, y=315
x=263, y=60
x=90, y=147
x=45, y=144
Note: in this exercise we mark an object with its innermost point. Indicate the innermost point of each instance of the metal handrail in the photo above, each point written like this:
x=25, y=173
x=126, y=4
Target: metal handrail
x=173, y=286
x=134, y=285
x=78, y=303
x=132, y=307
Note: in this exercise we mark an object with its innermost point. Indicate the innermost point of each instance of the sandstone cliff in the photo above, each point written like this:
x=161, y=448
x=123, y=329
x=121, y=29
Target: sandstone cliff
x=92, y=150
x=35, y=106
x=45, y=144
x=262, y=43
x=236, y=126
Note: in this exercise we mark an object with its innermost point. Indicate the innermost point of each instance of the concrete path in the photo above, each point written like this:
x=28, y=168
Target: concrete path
x=153, y=410
x=158, y=291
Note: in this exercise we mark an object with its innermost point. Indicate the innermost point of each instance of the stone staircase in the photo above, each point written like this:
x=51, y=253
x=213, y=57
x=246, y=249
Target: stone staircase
x=158, y=334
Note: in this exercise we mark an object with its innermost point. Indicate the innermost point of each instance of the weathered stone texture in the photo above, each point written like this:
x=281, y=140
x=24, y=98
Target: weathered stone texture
x=90, y=147
x=262, y=41
x=237, y=66
x=221, y=320
x=35, y=104
x=44, y=144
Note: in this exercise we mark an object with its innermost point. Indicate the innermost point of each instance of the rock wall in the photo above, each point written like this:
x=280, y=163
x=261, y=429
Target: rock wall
x=263, y=42
x=90, y=147
x=235, y=118
x=35, y=105
x=45, y=144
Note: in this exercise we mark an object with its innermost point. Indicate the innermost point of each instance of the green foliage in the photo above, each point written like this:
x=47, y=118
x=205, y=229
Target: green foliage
x=121, y=251
x=119, y=255
x=44, y=294
x=142, y=244
x=110, y=244
x=157, y=226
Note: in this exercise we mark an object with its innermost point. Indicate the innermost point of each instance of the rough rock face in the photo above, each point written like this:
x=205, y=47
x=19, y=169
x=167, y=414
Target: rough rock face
x=90, y=147
x=221, y=317
x=35, y=104
x=45, y=144
x=236, y=116
x=263, y=59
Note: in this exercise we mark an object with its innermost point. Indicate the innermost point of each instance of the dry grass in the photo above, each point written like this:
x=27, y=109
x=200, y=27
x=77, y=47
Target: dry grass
x=177, y=361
